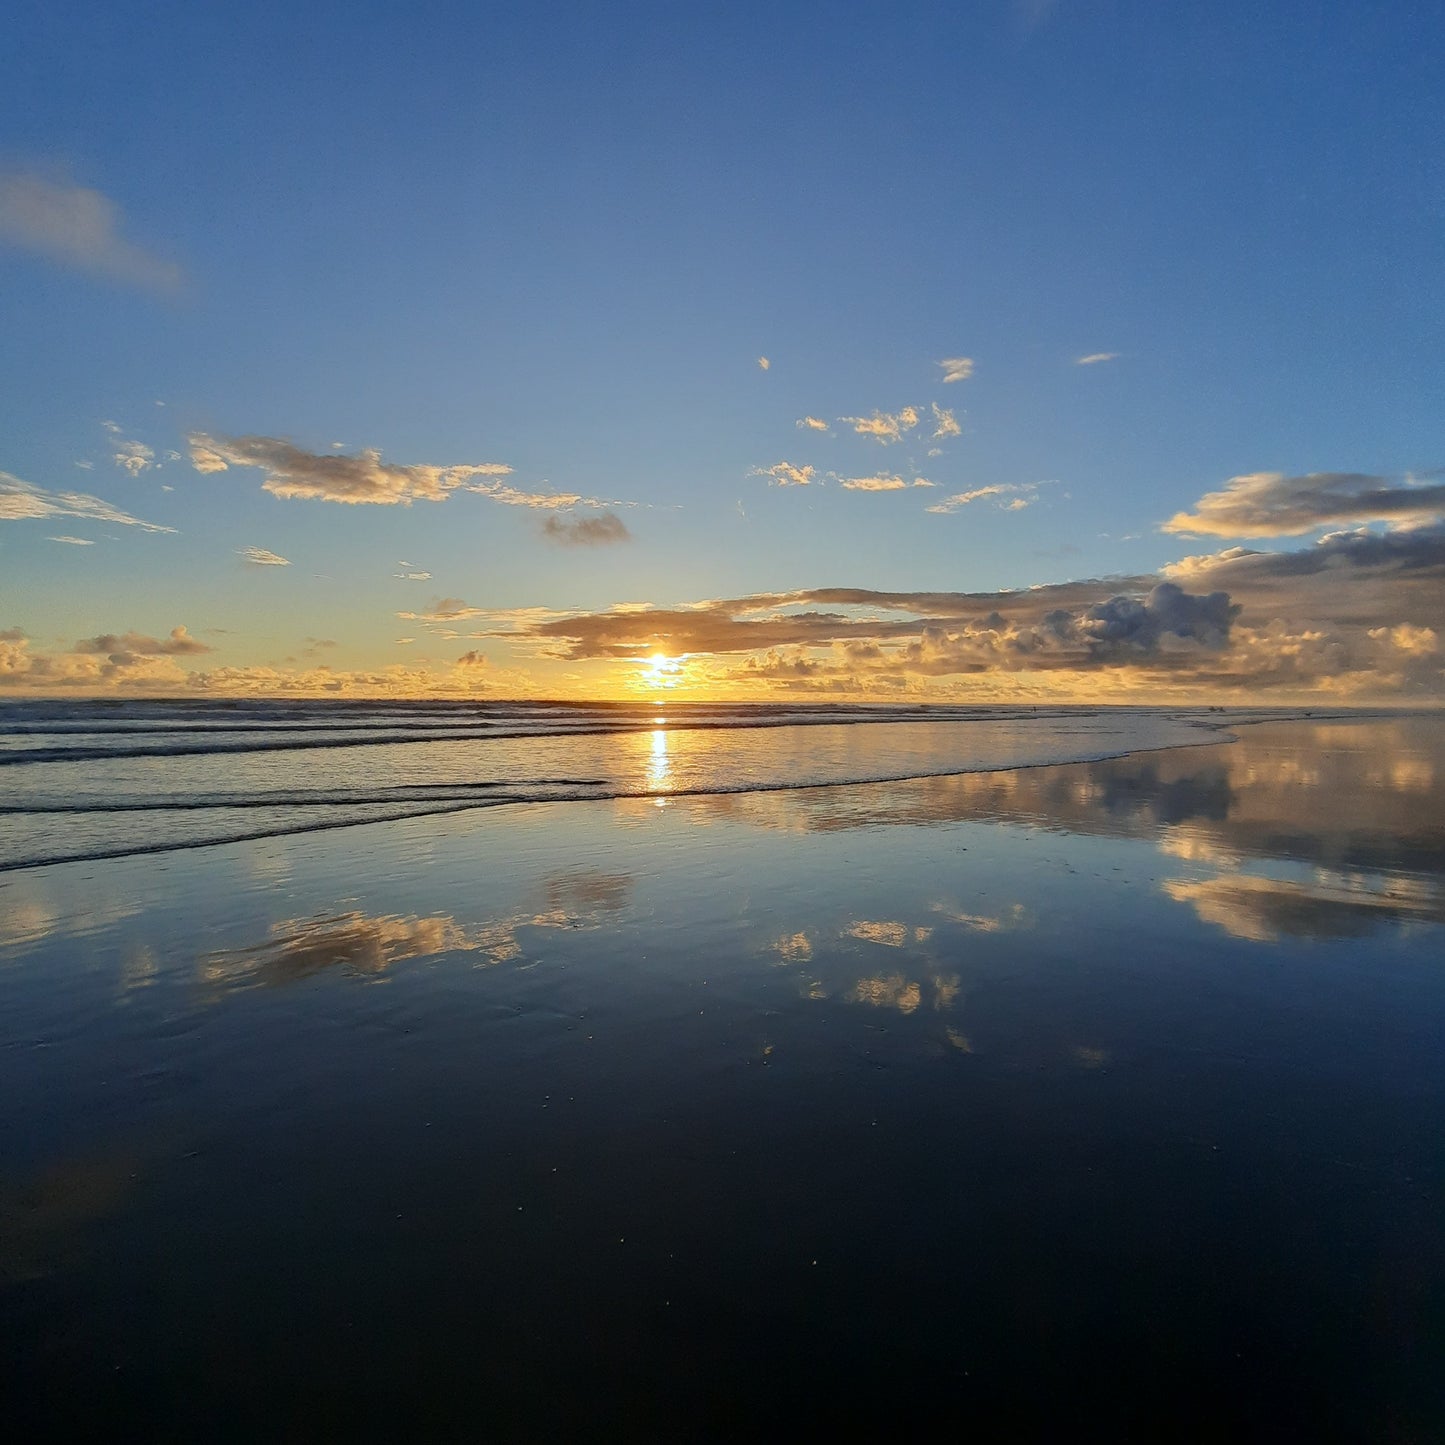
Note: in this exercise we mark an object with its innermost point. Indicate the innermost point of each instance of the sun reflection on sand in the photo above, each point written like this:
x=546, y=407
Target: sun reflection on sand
x=659, y=769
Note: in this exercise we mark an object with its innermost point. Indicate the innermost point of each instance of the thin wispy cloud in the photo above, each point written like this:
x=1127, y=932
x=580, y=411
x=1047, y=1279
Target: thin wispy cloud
x=1270, y=504
x=785, y=474
x=1021, y=495
x=883, y=426
x=957, y=368
x=603, y=531
x=73, y=541
x=445, y=609
x=77, y=227
x=882, y=483
x=21, y=500
x=812, y=423
x=1095, y=357
x=261, y=557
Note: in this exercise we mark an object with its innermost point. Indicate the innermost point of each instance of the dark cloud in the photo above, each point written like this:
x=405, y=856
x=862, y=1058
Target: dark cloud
x=600, y=531
x=364, y=478
x=179, y=644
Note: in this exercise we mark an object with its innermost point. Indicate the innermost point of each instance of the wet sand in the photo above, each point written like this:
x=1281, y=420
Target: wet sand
x=1092, y=1099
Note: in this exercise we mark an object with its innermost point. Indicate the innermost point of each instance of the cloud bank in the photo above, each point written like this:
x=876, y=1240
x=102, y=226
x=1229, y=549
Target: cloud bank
x=1270, y=504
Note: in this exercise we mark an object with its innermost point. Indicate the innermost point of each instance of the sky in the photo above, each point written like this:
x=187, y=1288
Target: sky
x=1086, y=350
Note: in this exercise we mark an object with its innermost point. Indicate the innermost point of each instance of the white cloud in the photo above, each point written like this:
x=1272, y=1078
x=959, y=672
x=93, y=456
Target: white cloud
x=75, y=226
x=73, y=541
x=882, y=483
x=260, y=557
x=21, y=500
x=883, y=426
x=785, y=474
x=945, y=423
x=812, y=423
x=1095, y=357
x=764, y=363
x=1021, y=493
x=957, y=368
x=133, y=457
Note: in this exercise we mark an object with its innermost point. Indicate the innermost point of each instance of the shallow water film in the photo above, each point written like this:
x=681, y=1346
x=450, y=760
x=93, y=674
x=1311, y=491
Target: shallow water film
x=1080, y=1100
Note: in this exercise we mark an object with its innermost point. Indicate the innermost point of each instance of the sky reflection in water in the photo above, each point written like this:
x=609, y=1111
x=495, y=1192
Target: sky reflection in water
x=1108, y=1088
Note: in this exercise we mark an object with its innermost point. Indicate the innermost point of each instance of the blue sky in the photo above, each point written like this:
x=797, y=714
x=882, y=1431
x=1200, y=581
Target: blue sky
x=559, y=238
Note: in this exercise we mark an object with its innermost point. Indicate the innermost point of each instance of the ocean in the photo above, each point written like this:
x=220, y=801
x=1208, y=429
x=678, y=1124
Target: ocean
x=541, y=1071
x=104, y=779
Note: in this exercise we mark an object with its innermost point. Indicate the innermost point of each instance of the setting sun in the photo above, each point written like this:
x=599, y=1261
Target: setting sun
x=660, y=671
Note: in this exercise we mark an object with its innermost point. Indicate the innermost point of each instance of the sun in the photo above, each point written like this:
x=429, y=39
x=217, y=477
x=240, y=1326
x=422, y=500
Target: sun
x=660, y=672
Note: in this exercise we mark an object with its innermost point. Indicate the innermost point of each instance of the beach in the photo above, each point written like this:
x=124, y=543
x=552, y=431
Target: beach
x=727, y=1078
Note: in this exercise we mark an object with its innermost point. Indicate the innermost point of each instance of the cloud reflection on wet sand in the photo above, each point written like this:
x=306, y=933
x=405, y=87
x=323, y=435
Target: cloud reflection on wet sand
x=368, y=946
x=1274, y=796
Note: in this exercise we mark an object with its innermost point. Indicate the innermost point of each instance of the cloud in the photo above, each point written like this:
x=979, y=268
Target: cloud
x=1095, y=357
x=292, y=472
x=812, y=423
x=44, y=673
x=78, y=227
x=1270, y=504
x=446, y=609
x=21, y=500
x=957, y=368
x=785, y=474
x=882, y=426
x=764, y=363
x=586, y=531
x=998, y=489
x=412, y=576
x=179, y=644
x=260, y=557
x=881, y=484
x=133, y=457
x=1354, y=617
x=945, y=423
x=73, y=541
x=1065, y=625
x=474, y=658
